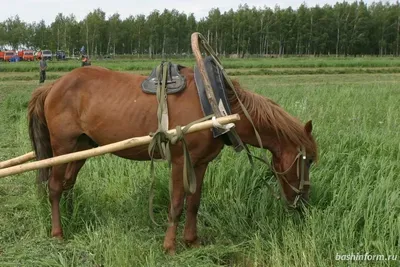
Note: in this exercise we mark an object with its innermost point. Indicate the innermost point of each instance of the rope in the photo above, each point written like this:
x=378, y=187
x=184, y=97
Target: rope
x=250, y=156
x=216, y=124
x=161, y=141
x=211, y=53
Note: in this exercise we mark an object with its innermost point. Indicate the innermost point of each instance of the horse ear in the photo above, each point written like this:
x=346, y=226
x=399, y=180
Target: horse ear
x=308, y=127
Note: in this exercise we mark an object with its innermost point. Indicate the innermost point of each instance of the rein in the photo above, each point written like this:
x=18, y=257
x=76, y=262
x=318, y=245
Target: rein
x=161, y=141
x=300, y=171
x=195, y=47
x=302, y=153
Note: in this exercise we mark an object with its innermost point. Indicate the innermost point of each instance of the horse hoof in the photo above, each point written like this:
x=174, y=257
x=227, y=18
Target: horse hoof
x=169, y=249
x=57, y=236
x=193, y=244
x=171, y=252
x=58, y=239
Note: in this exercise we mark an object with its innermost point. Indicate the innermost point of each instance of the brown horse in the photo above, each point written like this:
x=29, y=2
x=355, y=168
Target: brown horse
x=93, y=105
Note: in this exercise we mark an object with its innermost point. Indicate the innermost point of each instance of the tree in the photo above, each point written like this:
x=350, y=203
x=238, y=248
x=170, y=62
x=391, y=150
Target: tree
x=93, y=27
x=15, y=32
x=114, y=24
x=3, y=34
x=342, y=29
x=41, y=36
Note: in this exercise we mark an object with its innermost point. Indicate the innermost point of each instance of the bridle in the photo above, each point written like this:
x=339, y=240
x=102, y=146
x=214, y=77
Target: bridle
x=300, y=158
x=300, y=161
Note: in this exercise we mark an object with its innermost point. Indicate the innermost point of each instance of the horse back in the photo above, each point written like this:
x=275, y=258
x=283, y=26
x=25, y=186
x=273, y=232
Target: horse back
x=110, y=106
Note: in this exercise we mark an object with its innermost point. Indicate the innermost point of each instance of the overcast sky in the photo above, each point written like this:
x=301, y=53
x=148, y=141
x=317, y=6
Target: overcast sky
x=35, y=10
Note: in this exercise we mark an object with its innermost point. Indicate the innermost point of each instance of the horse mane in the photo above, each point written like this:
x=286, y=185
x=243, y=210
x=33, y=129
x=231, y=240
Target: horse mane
x=267, y=113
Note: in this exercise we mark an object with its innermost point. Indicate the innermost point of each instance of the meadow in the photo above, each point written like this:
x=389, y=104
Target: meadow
x=355, y=196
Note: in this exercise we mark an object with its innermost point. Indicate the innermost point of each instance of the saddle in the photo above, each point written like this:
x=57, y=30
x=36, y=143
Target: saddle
x=175, y=81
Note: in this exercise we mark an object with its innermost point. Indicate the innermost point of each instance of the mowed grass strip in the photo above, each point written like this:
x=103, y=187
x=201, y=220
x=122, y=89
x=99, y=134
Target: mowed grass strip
x=355, y=202
x=136, y=64
x=279, y=72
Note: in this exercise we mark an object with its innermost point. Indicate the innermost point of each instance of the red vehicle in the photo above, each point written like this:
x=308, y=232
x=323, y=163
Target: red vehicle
x=28, y=55
x=1, y=55
x=8, y=55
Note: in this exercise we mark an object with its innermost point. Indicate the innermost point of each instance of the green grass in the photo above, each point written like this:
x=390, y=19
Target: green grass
x=254, y=63
x=355, y=199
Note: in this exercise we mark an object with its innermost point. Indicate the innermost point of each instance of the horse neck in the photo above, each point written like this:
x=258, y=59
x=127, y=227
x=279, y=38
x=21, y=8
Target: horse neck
x=277, y=128
x=279, y=131
x=268, y=133
x=269, y=137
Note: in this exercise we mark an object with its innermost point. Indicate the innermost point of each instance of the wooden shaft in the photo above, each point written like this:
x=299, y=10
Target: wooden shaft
x=203, y=72
x=18, y=160
x=128, y=143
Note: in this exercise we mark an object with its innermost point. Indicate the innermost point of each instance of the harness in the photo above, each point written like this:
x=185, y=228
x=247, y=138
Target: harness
x=161, y=139
x=196, y=38
x=300, y=158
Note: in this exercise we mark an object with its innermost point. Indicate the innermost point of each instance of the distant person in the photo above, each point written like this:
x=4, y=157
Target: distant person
x=85, y=61
x=43, y=68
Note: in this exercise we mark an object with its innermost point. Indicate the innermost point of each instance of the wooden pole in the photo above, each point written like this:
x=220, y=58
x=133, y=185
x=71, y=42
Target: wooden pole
x=18, y=160
x=204, y=75
x=128, y=143
x=196, y=37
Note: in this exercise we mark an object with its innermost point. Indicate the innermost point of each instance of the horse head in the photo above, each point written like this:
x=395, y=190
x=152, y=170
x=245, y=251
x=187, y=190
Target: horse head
x=291, y=166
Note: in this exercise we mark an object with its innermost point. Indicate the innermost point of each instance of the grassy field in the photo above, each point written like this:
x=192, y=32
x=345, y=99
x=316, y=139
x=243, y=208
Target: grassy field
x=254, y=63
x=355, y=198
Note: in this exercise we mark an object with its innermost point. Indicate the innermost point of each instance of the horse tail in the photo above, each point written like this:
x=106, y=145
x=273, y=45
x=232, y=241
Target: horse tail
x=39, y=133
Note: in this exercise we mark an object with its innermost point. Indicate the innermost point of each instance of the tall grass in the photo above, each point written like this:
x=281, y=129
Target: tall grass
x=355, y=200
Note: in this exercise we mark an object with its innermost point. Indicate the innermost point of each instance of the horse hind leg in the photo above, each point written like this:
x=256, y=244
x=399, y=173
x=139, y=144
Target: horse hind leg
x=71, y=174
x=55, y=185
x=62, y=176
x=72, y=171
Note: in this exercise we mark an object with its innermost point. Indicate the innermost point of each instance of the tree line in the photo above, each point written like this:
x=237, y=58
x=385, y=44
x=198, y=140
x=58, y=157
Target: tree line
x=341, y=29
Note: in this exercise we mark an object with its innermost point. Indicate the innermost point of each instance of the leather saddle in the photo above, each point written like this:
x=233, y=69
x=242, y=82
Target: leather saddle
x=175, y=81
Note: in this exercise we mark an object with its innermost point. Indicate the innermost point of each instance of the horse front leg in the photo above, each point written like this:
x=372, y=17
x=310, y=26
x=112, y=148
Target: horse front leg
x=193, y=203
x=177, y=204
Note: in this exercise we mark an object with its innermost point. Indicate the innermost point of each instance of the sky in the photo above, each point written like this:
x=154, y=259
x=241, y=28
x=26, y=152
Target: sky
x=35, y=10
